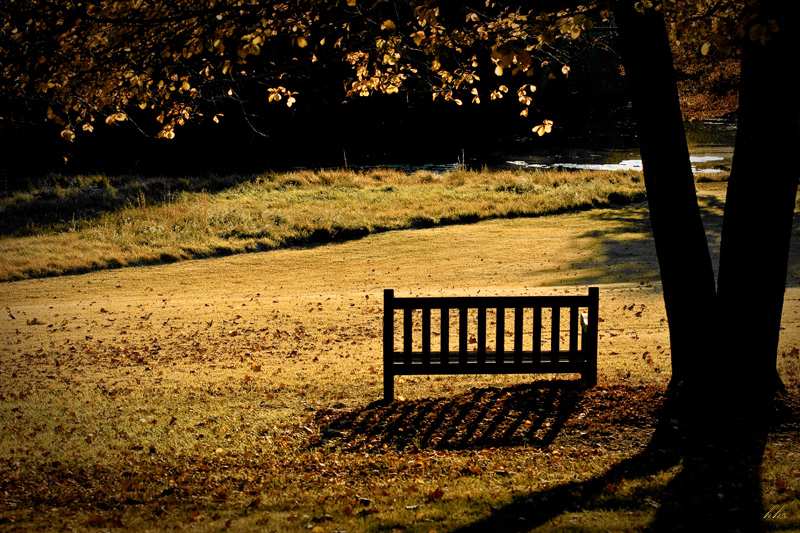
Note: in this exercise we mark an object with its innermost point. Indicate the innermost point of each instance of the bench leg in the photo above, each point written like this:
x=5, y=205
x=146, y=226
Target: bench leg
x=590, y=377
x=388, y=387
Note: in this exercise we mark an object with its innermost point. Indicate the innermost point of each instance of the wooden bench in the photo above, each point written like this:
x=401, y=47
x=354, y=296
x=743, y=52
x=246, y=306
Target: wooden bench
x=536, y=342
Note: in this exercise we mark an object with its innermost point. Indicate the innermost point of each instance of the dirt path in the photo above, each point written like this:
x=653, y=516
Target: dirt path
x=321, y=304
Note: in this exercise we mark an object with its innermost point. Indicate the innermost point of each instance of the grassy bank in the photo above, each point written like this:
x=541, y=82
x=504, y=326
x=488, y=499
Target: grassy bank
x=86, y=223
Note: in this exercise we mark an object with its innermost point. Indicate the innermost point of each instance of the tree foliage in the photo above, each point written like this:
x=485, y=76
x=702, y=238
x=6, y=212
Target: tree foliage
x=83, y=62
x=78, y=63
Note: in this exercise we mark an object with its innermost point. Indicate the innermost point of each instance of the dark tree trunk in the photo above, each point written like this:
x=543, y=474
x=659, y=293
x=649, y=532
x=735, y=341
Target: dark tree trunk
x=724, y=340
x=687, y=274
x=759, y=210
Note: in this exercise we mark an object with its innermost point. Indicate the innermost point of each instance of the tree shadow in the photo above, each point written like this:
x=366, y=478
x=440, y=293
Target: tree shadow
x=626, y=252
x=717, y=486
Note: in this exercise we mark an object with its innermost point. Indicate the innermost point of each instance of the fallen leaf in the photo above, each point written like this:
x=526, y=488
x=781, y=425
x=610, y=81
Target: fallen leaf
x=436, y=494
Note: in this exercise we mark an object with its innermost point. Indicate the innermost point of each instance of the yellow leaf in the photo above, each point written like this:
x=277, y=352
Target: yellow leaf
x=116, y=117
x=565, y=70
x=705, y=49
x=389, y=25
x=498, y=70
x=351, y=3
x=68, y=135
x=418, y=37
x=545, y=127
x=301, y=41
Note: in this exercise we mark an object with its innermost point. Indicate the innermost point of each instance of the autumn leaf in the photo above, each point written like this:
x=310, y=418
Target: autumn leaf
x=611, y=488
x=436, y=494
x=545, y=127
x=96, y=521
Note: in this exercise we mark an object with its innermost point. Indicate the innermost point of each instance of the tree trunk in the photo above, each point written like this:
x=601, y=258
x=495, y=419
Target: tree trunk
x=687, y=274
x=724, y=341
x=757, y=224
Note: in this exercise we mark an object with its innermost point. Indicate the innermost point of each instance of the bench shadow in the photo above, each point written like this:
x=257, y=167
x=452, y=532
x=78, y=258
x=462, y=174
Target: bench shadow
x=530, y=414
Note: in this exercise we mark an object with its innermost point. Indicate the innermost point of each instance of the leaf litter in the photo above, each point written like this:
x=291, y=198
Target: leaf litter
x=133, y=399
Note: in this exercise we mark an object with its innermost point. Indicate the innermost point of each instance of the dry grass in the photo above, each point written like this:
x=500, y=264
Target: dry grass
x=238, y=393
x=117, y=227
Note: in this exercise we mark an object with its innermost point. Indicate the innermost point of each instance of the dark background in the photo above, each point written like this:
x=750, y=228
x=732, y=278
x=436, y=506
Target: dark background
x=323, y=129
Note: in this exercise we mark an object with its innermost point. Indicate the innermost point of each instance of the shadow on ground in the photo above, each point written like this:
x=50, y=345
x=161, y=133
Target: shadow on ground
x=627, y=252
x=522, y=415
x=717, y=487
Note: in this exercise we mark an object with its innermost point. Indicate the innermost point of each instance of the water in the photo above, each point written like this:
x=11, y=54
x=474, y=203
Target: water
x=605, y=146
x=710, y=149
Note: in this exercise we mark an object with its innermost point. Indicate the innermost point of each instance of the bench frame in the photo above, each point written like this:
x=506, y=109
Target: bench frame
x=579, y=357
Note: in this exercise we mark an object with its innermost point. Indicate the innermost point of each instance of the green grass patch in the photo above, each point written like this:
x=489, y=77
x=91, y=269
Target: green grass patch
x=86, y=223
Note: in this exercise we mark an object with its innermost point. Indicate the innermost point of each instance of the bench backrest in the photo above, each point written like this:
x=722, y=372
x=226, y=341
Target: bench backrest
x=529, y=316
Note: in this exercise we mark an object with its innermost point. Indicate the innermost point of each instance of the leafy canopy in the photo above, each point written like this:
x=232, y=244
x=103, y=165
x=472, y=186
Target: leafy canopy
x=79, y=62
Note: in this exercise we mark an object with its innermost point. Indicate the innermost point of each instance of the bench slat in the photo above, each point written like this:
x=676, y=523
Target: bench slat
x=519, y=316
x=500, y=331
x=463, y=318
x=490, y=302
x=547, y=363
x=445, y=328
x=408, y=336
